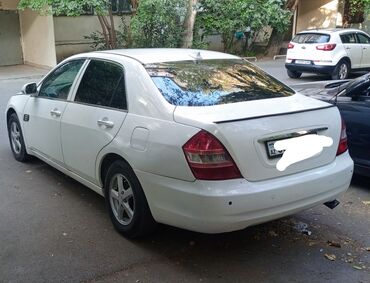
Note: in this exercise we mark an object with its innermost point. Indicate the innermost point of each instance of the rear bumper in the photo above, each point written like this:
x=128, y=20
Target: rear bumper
x=223, y=206
x=318, y=69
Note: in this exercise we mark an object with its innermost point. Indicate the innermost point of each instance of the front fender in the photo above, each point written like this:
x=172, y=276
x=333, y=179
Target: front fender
x=17, y=103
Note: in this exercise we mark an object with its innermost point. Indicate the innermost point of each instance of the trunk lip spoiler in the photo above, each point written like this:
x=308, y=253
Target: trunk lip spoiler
x=272, y=115
x=294, y=134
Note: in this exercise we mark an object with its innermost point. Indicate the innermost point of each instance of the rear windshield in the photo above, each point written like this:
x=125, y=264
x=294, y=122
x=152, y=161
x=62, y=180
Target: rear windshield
x=214, y=82
x=311, y=38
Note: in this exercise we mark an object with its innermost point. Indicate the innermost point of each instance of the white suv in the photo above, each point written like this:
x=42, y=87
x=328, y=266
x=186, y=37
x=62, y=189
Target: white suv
x=330, y=51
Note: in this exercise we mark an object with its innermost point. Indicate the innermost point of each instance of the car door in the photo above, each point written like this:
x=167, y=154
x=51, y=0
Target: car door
x=355, y=111
x=364, y=40
x=94, y=117
x=43, y=113
x=353, y=50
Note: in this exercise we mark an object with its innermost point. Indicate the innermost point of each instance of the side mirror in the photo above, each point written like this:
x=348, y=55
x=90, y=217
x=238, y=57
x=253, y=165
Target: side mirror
x=30, y=89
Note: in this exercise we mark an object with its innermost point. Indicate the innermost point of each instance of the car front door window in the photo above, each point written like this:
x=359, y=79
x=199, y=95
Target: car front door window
x=353, y=49
x=365, y=45
x=58, y=84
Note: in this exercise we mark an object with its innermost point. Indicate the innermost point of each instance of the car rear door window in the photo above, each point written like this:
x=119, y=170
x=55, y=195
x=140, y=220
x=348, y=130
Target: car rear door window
x=103, y=84
x=307, y=38
x=348, y=38
x=58, y=84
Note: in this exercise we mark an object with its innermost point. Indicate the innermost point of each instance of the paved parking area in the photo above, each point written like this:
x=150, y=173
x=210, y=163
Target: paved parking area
x=54, y=229
x=21, y=72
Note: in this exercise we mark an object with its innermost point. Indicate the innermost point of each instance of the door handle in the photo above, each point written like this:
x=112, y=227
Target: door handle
x=55, y=112
x=364, y=48
x=105, y=122
x=348, y=48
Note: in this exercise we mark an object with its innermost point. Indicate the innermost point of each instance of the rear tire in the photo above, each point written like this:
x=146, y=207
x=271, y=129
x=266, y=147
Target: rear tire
x=341, y=71
x=16, y=139
x=294, y=74
x=126, y=202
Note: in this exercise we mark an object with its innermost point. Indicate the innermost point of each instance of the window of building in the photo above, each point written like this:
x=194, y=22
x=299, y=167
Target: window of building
x=121, y=6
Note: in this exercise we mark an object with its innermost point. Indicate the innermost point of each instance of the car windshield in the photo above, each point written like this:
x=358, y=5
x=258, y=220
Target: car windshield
x=213, y=82
x=308, y=38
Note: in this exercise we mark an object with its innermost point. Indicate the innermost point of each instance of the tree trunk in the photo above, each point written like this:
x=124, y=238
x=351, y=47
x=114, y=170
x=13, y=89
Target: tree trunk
x=189, y=24
x=113, y=30
x=276, y=39
x=274, y=44
x=104, y=30
x=134, y=6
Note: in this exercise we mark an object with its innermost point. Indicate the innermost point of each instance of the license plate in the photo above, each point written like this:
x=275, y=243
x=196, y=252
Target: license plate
x=304, y=62
x=271, y=151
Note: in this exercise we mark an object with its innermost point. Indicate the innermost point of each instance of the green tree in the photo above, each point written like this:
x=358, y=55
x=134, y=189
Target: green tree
x=228, y=17
x=354, y=11
x=75, y=8
x=159, y=23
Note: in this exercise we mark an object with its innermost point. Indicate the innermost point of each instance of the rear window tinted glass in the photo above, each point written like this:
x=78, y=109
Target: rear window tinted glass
x=307, y=38
x=348, y=38
x=213, y=82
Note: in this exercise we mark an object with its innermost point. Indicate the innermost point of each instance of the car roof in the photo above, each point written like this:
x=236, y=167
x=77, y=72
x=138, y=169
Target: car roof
x=160, y=55
x=330, y=30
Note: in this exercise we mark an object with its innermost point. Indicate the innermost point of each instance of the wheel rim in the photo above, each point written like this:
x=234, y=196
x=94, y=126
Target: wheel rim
x=122, y=199
x=15, y=137
x=343, y=71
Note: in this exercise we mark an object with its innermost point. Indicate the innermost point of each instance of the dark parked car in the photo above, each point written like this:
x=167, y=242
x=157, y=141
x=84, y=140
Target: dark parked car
x=353, y=100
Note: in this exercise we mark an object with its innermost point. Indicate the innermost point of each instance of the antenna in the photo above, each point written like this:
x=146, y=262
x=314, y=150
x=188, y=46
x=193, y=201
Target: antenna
x=196, y=56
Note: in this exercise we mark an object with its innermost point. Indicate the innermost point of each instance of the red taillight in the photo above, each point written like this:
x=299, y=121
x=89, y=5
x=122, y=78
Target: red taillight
x=290, y=45
x=326, y=47
x=208, y=158
x=343, y=146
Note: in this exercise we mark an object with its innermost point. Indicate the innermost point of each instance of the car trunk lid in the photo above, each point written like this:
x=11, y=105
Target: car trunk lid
x=246, y=129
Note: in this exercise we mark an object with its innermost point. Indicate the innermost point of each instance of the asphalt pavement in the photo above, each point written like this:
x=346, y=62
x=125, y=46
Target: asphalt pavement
x=53, y=229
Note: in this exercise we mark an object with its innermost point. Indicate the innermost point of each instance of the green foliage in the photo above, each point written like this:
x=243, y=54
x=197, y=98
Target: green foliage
x=228, y=17
x=65, y=7
x=357, y=6
x=158, y=23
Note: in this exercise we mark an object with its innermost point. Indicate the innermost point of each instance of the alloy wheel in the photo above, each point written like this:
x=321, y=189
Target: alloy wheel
x=122, y=199
x=15, y=136
x=343, y=71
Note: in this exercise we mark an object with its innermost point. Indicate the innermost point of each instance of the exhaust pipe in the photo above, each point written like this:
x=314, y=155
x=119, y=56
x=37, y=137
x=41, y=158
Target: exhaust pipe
x=332, y=204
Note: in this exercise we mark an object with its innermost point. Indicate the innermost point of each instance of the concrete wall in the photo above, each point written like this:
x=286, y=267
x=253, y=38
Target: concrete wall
x=8, y=4
x=317, y=14
x=37, y=39
x=70, y=32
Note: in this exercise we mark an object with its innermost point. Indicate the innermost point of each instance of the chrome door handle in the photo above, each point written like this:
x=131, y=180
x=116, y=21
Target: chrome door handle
x=105, y=122
x=55, y=112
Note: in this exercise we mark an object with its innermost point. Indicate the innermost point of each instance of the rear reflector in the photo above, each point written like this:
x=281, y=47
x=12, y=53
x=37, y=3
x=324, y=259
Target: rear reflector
x=290, y=45
x=343, y=146
x=208, y=159
x=326, y=47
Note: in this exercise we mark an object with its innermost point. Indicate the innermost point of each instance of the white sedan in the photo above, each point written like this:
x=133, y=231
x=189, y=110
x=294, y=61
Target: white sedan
x=182, y=137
